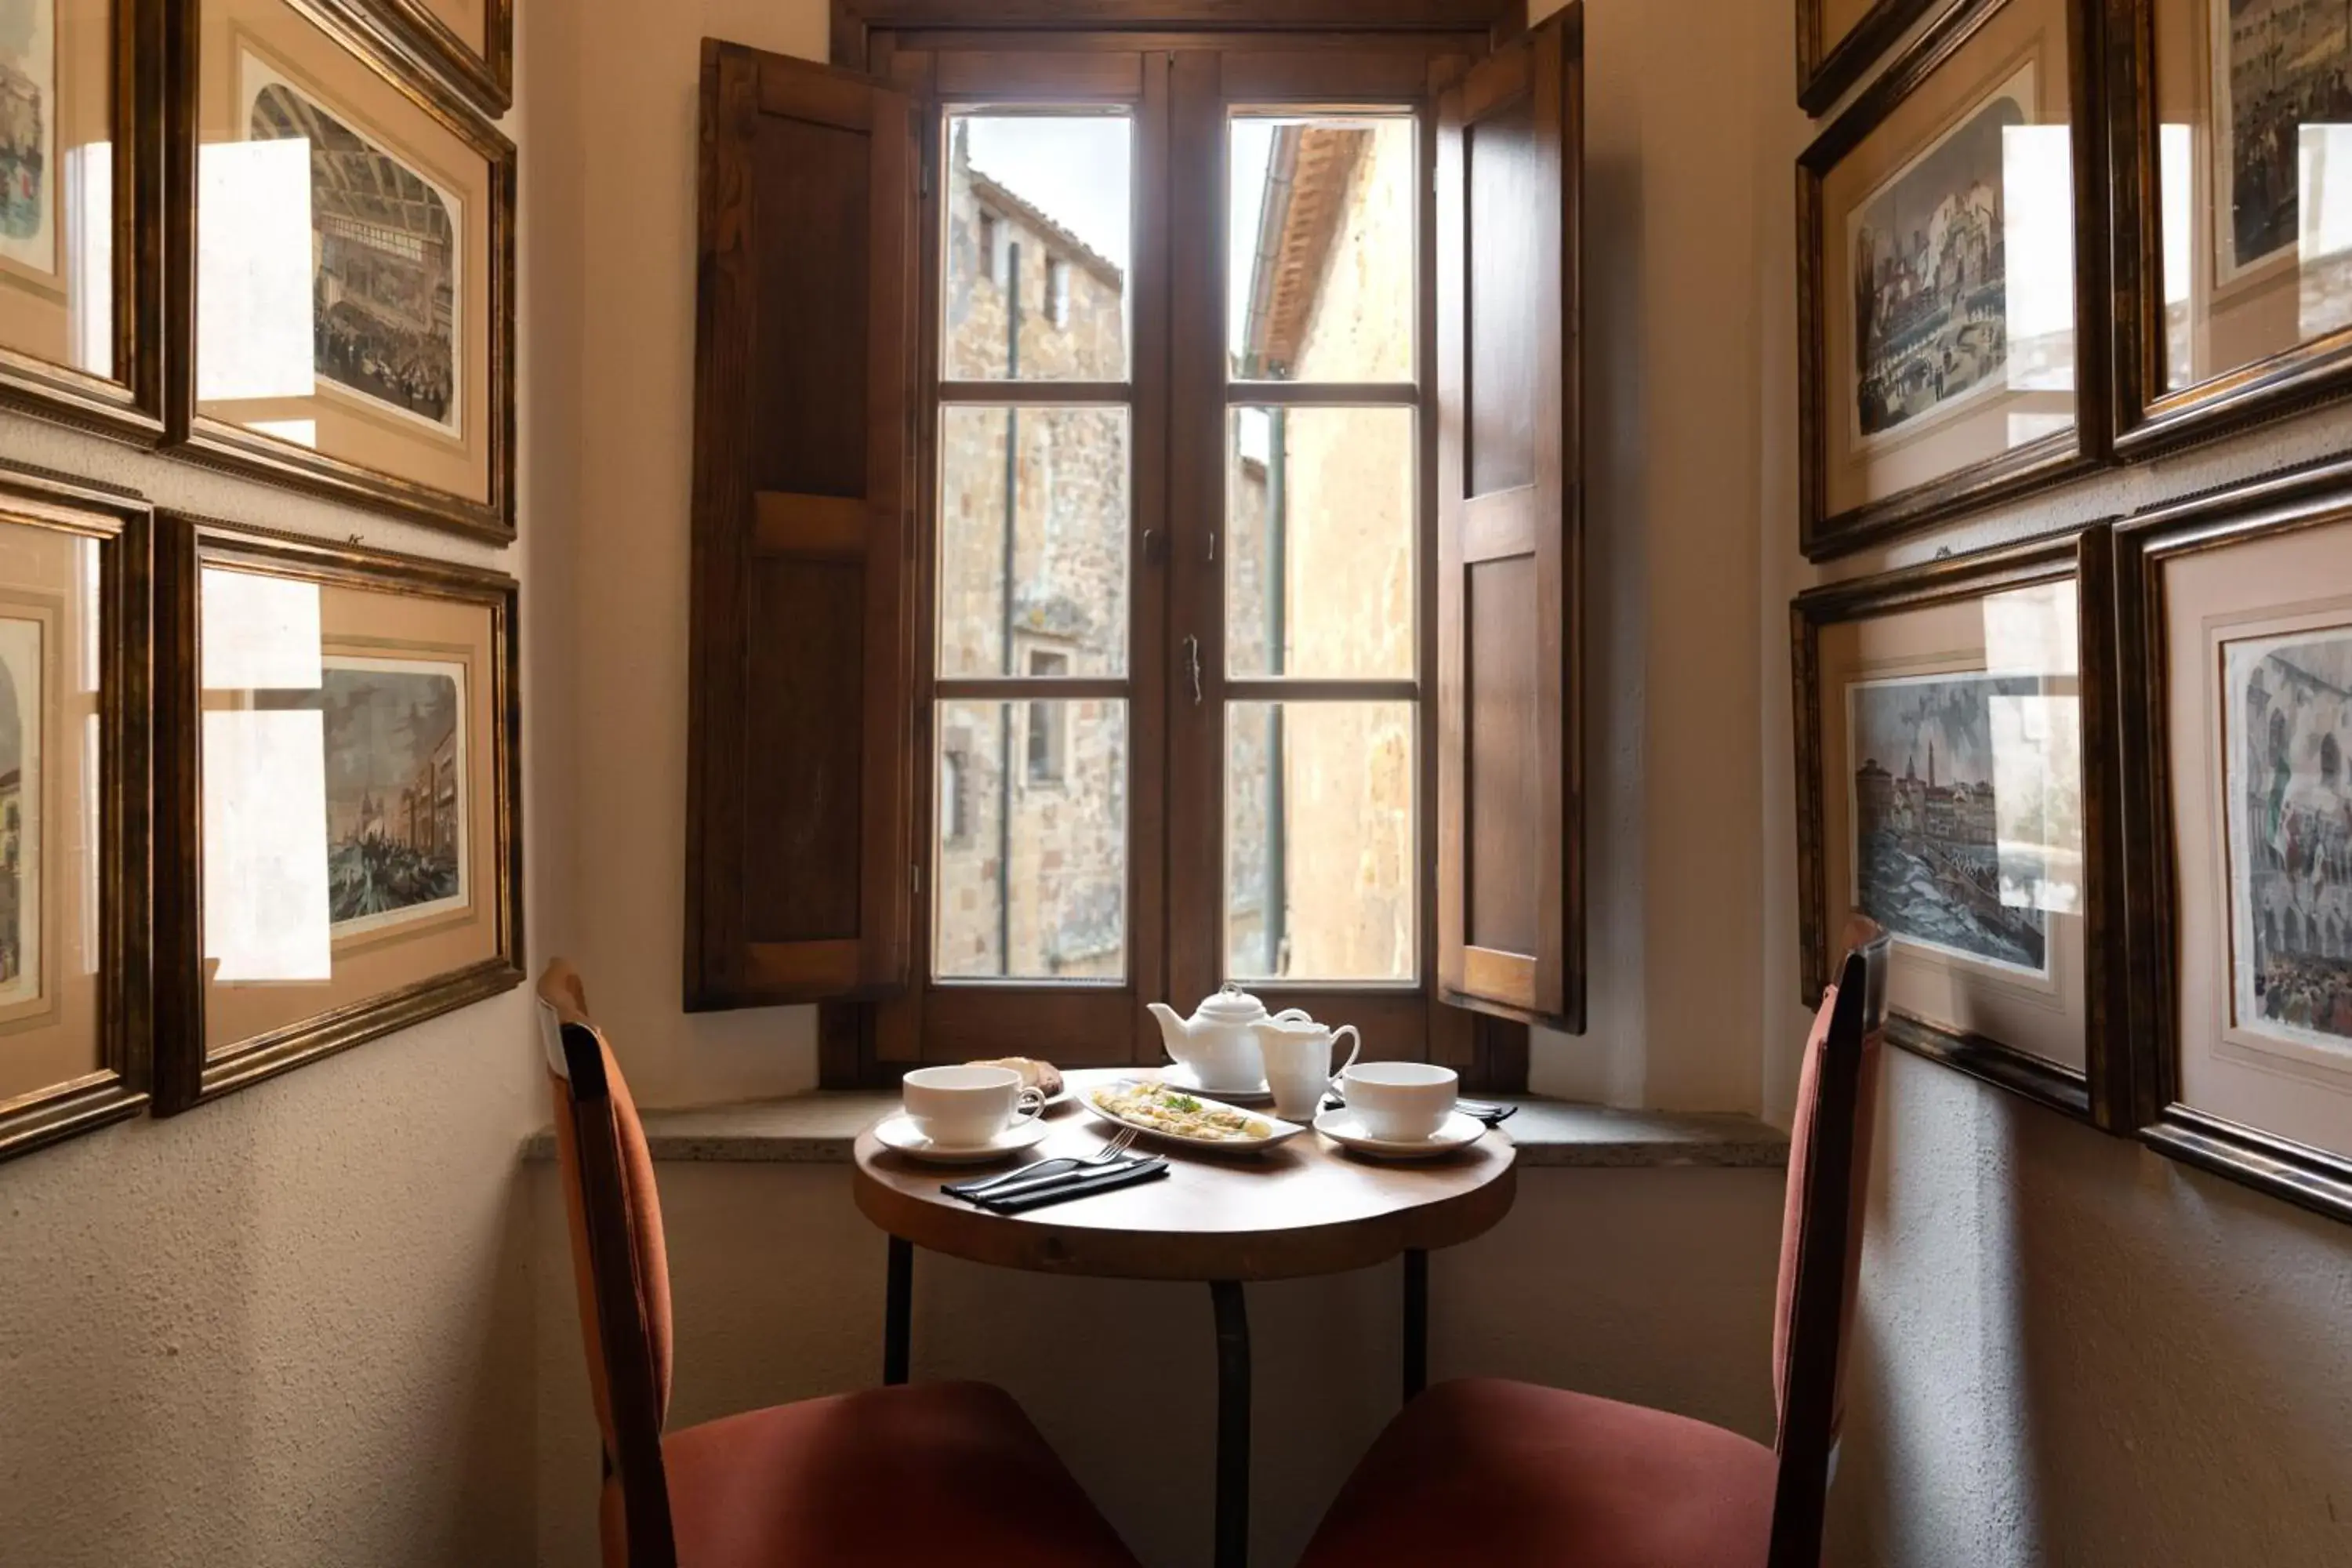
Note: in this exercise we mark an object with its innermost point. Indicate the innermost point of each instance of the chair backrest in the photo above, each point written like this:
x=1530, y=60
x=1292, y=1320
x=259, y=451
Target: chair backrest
x=1820, y=1240
x=620, y=1267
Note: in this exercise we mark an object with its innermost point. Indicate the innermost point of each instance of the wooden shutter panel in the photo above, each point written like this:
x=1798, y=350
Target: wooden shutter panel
x=799, y=858
x=1509, y=762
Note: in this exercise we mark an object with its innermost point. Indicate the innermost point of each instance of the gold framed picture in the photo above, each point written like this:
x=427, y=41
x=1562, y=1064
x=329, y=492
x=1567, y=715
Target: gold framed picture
x=1950, y=325
x=346, y=286
x=341, y=755
x=2230, y=181
x=1956, y=784
x=469, y=42
x=81, y=214
x=74, y=723
x=2236, y=625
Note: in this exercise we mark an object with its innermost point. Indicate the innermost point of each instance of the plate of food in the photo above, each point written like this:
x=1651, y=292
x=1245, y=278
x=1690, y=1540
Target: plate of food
x=1042, y=1076
x=1179, y=1117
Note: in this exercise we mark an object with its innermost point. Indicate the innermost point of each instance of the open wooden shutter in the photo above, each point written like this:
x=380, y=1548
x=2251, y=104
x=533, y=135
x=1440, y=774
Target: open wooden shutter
x=1509, y=763
x=799, y=857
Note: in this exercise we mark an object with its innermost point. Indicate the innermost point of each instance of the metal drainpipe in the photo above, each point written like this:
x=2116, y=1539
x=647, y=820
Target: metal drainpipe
x=1277, y=504
x=1004, y=711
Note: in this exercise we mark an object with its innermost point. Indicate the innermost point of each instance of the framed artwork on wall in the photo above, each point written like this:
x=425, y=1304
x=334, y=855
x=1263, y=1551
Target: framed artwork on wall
x=75, y=722
x=1956, y=783
x=2235, y=618
x=469, y=42
x=1946, y=309
x=81, y=213
x=344, y=287
x=1837, y=40
x=2230, y=166
x=339, y=737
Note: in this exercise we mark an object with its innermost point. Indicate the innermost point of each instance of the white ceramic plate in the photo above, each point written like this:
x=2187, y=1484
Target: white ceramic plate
x=1176, y=1075
x=1277, y=1129
x=1345, y=1128
x=896, y=1131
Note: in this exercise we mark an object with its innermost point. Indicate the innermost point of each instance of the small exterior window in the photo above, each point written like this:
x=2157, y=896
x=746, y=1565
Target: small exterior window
x=1047, y=727
x=992, y=247
x=1057, y=291
x=955, y=803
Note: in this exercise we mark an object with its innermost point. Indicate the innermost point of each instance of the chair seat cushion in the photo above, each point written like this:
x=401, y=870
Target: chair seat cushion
x=928, y=1473
x=1502, y=1474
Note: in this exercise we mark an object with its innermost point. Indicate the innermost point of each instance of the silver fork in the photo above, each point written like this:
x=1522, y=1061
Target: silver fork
x=1120, y=1144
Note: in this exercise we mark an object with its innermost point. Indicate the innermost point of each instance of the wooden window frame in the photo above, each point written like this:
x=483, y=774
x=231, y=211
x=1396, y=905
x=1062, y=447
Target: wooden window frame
x=1308, y=55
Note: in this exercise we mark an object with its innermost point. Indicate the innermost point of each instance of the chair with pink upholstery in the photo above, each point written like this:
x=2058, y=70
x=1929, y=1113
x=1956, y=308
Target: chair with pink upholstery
x=1507, y=1474
x=925, y=1473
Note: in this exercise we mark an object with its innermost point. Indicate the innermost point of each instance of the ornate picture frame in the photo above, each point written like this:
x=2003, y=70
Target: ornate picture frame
x=82, y=289
x=367, y=354
x=1827, y=67
x=2234, y=622
x=340, y=760
x=469, y=42
x=75, y=822
x=2232, y=270
x=1933, y=387
x=1980, y=823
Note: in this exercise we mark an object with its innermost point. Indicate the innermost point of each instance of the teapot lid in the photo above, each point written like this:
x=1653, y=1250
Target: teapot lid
x=1232, y=1004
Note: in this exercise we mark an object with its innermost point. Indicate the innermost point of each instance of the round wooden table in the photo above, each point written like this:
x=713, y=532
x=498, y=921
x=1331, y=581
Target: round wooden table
x=1303, y=1208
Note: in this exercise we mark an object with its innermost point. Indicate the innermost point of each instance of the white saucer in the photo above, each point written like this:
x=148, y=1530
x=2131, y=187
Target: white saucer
x=1176, y=1075
x=897, y=1131
x=1345, y=1128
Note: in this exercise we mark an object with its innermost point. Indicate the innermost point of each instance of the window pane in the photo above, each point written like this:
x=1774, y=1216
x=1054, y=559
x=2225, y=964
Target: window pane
x=1036, y=247
x=1061, y=543
x=1321, y=881
x=1057, y=818
x=1318, y=565
x=1321, y=239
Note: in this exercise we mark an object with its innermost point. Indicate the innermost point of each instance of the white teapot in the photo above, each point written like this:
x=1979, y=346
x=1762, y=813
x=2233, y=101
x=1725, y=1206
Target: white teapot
x=1217, y=1044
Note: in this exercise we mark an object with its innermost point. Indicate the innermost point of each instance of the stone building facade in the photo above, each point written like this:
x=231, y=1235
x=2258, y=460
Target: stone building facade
x=1320, y=554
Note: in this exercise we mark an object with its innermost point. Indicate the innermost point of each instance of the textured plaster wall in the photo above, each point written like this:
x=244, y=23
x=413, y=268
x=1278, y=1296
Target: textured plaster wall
x=293, y=1329
x=2070, y=1350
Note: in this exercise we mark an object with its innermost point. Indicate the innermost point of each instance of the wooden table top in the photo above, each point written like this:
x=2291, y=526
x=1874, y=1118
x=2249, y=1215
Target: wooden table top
x=1306, y=1207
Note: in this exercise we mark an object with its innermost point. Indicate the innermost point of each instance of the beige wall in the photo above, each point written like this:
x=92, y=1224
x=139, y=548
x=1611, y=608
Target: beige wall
x=2071, y=1351
x=293, y=1329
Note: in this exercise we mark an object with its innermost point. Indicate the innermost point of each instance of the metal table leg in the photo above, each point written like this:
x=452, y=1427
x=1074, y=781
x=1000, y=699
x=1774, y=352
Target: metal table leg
x=899, y=1311
x=1416, y=1321
x=1233, y=1423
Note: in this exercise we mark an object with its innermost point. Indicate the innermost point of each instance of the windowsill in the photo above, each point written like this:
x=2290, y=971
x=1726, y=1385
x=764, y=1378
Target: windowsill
x=819, y=1128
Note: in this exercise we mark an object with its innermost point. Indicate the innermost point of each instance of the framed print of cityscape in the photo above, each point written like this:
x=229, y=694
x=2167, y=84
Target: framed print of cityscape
x=74, y=730
x=2230, y=179
x=2237, y=616
x=1940, y=281
x=469, y=42
x=81, y=216
x=344, y=736
x=349, y=281
x=1954, y=783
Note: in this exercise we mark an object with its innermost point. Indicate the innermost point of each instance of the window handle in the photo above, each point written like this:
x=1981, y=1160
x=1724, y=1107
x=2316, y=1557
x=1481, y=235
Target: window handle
x=1192, y=666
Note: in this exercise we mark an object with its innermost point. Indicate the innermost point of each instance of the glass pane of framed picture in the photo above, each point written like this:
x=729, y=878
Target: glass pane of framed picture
x=1939, y=288
x=73, y=762
x=1945, y=796
x=80, y=289
x=471, y=42
x=352, y=724
x=2251, y=719
x=354, y=270
x=2246, y=249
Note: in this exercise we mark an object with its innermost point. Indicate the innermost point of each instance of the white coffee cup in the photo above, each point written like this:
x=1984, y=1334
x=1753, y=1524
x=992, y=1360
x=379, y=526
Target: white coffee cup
x=1298, y=1062
x=1399, y=1103
x=964, y=1106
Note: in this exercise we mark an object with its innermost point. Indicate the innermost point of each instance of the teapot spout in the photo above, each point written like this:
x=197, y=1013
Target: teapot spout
x=1174, y=1032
